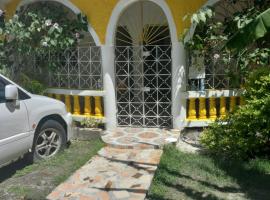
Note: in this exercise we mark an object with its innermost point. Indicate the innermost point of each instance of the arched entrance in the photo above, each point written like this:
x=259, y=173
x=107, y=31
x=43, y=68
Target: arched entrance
x=143, y=69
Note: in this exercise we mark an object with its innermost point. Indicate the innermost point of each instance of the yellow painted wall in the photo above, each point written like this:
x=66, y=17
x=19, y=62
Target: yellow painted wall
x=99, y=12
x=11, y=7
x=180, y=8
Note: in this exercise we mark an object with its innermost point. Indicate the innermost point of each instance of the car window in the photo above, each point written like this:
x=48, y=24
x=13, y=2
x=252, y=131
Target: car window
x=2, y=90
x=22, y=95
x=3, y=83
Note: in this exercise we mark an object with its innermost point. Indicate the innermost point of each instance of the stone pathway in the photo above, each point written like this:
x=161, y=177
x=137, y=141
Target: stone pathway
x=123, y=170
x=140, y=138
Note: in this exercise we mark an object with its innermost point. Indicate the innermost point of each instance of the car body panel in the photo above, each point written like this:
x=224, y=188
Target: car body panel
x=15, y=147
x=11, y=117
x=14, y=129
x=40, y=107
x=19, y=120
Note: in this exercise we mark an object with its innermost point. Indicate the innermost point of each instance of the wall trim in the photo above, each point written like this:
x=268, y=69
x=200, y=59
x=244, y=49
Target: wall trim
x=214, y=93
x=75, y=92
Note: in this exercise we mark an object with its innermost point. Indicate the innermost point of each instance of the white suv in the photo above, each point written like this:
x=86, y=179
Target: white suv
x=30, y=123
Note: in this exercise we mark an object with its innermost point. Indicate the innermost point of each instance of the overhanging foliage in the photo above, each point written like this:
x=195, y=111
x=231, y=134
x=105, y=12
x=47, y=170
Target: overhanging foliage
x=256, y=29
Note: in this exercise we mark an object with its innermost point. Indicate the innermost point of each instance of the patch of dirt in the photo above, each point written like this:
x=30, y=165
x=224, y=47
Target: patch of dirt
x=38, y=182
x=24, y=180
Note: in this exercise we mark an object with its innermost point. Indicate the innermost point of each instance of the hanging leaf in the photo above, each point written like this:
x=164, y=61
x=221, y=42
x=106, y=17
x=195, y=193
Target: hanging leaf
x=195, y=19
x=202, y=17
x=253, y=31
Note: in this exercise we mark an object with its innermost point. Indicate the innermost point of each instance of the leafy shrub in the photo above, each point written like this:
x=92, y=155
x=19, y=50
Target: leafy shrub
x=246, y=132
x=90, y=123
x=32, y=86
x=33, y=33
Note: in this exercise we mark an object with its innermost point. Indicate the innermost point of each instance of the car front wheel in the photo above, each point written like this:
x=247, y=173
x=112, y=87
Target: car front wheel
x=49, y=140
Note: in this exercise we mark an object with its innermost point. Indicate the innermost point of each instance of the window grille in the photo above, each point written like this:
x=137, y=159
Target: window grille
x=216, y=74
x=78, y=68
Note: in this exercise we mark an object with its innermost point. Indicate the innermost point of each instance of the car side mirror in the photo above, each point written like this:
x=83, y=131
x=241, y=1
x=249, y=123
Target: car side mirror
x=11, y=93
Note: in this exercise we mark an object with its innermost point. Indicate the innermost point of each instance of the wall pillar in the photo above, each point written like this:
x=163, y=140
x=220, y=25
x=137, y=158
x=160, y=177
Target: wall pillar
x=192, y=109
x=212, y=108
x=178, y=85
x=222, y=107
x=109, y=86
x=202, y=108
x=87, y=106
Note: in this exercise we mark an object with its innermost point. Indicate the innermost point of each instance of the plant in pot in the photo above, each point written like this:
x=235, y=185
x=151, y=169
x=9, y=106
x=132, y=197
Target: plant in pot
x=89, y=128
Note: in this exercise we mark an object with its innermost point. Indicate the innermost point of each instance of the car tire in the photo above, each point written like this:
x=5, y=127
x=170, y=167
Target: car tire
x=49, y=140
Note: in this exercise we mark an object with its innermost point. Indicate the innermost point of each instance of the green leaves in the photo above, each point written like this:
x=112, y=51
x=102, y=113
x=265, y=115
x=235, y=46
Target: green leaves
x=202, y=16
x=241, y=39
x=38, y=30
x=245, y=132
x=252, y=31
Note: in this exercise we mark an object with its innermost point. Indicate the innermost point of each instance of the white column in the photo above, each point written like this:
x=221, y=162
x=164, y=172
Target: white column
x=178, y=85
x=109, y=86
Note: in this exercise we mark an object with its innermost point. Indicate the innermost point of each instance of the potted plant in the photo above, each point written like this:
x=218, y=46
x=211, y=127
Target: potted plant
x=89, y=128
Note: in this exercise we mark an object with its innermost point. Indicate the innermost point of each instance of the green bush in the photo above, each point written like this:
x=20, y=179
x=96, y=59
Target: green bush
x=91, y=122
x=32, y=86
x=246, y=132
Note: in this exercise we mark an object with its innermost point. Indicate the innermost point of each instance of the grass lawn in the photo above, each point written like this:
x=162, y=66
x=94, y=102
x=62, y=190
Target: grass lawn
x=191, y=176
x=22, y=180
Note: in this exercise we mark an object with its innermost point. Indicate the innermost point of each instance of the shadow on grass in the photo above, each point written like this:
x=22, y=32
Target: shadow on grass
x=207, y=184
x=253, y=181
x=200, y=177
x=192, y=193
x=11, y=169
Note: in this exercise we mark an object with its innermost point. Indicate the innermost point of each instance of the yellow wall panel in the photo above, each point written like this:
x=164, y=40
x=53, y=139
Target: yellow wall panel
x=98, y=13
x=180, y=8
x=11, y=7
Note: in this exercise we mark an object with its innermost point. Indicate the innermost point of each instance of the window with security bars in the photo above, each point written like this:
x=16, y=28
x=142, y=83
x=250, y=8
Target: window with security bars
x=78, y=68
x=210, y=75
x=210, y=72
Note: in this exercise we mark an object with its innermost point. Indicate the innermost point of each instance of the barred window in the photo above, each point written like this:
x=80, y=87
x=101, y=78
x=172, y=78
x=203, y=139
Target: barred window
x=209, y=72
x=78, y=68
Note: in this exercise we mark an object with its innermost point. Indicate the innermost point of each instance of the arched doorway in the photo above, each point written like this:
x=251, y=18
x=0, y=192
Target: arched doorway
x=143, y=67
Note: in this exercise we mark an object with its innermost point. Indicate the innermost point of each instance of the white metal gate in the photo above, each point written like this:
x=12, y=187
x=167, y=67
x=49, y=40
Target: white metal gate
x=143, y=85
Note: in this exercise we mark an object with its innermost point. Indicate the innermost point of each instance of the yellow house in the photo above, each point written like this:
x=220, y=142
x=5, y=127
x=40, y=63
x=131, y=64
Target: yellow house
x=132, y=69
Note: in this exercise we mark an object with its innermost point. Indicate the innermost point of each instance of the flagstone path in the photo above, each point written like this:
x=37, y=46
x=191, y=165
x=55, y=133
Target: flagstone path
x=123, y=170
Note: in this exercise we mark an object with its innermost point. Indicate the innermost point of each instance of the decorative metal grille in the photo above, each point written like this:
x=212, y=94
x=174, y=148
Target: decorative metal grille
x=215, y=77
x=79, y=68
x=143, y=85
